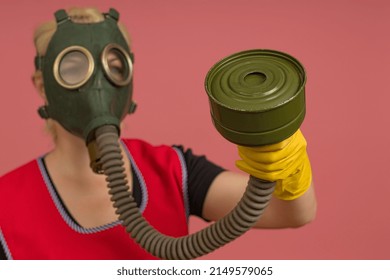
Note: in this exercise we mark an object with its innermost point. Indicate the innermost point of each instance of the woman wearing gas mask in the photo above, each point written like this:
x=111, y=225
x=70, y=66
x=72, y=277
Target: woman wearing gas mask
x=84, y=74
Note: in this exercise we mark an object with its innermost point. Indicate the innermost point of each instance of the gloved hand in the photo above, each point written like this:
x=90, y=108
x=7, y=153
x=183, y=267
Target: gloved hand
x=285, y=163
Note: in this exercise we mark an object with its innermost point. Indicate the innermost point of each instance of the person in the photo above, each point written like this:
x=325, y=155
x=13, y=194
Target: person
x=56, y=207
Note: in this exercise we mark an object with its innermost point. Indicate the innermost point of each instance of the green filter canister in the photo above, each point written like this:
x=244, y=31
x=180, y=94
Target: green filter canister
x=257, y=97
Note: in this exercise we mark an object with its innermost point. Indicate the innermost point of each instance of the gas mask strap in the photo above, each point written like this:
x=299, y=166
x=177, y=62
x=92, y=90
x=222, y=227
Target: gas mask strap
x=38, y=62
x=133, y=107
x=61, y=16
x=43, y=112
x=132, y=57
x=113, y=14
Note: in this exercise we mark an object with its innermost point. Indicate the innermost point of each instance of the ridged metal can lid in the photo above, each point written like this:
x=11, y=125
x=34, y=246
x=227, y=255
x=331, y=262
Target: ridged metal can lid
x=257, y=97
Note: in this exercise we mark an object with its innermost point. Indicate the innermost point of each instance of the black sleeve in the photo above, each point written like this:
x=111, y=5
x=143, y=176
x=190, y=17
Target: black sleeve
x=201, y=173
x=2, y=253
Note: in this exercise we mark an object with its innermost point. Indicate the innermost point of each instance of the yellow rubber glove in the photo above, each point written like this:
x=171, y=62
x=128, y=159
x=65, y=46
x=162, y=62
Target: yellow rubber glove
x=285, y=163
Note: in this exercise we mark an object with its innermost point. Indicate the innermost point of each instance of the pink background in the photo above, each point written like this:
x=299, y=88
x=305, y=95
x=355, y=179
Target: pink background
x=344, y=46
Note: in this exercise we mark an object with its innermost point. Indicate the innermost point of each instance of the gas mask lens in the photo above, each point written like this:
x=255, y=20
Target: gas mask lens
x=117, y=64
x=73, y=67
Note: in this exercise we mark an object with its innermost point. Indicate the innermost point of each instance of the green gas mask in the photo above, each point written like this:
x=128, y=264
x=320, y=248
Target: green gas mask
x=87, y=72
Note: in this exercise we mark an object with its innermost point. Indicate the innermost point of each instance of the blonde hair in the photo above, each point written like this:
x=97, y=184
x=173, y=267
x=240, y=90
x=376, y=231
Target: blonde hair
x=44, y=32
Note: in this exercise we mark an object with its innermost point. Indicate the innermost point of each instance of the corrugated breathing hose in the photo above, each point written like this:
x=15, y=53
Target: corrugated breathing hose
x=233, y=225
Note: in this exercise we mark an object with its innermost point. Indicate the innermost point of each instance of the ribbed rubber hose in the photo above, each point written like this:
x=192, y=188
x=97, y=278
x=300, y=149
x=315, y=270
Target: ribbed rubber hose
x=233, y=225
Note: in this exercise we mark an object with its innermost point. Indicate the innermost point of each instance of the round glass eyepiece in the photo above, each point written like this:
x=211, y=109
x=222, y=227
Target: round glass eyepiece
x=117, y=64
x=73, y=67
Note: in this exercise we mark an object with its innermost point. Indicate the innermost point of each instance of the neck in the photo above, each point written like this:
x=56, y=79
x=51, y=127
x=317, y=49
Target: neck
x=70, y=151
x=70, y=156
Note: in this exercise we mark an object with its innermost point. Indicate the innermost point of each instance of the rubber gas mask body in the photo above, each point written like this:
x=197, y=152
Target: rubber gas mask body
x=87, y=72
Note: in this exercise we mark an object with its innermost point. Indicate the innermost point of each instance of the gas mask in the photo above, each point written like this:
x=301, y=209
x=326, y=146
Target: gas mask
x=87, y=72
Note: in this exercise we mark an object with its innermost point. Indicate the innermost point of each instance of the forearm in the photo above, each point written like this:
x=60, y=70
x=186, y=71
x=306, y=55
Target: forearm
x=229, y=187
x=289, y=213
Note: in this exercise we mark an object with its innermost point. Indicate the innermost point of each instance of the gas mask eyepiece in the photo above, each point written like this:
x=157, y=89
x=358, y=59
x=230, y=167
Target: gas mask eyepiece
x=117, y=64
x=73, y=67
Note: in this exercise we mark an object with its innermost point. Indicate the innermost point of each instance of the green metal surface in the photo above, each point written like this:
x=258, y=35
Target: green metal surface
x=257, y=97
